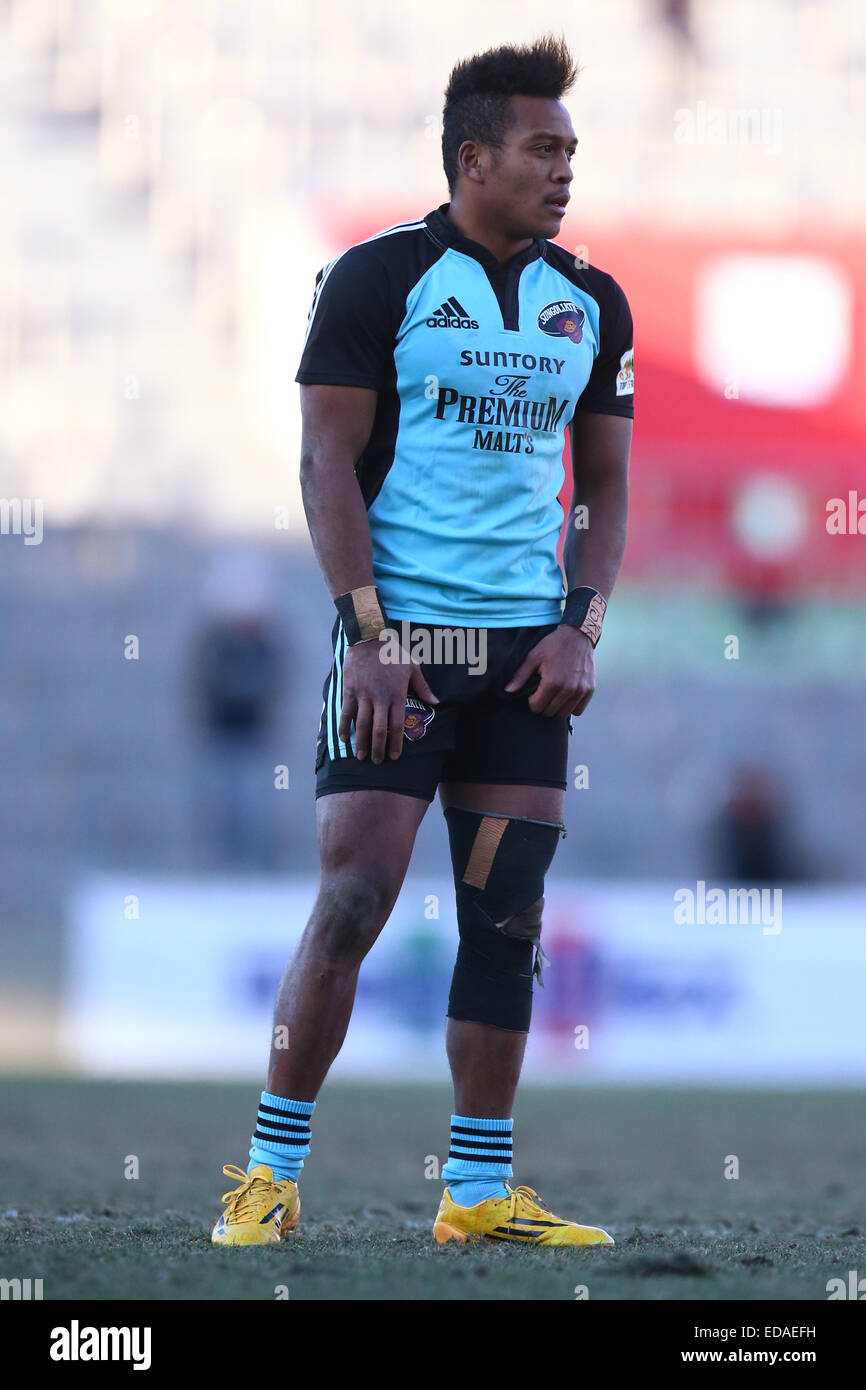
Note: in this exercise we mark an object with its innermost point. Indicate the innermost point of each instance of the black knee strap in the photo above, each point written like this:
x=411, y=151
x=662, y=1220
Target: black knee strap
x=499, y=865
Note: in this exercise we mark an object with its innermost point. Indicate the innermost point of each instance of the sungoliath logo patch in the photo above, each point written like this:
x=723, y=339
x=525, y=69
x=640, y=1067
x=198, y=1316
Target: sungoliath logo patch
x=562, y=320
x=416, y=719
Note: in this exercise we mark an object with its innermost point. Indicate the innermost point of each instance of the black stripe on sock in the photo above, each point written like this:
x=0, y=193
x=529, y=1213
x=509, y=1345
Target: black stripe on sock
x=482, y=1133
x=479, y=1158
x=286, y=1114
x=297, y=1142
x=482, y=1144
x=288, y=1130
x=279, y=1124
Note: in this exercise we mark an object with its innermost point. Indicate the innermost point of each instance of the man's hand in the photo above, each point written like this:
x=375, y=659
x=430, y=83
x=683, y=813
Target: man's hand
x=374, y=694
x=564, y=659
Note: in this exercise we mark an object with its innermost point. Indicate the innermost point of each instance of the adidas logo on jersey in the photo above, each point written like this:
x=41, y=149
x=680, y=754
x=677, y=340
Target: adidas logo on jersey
x=451, y=314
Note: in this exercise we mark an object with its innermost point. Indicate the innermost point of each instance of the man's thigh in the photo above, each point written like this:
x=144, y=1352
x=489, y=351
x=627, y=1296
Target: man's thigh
x=535, y=803
x=368, y=834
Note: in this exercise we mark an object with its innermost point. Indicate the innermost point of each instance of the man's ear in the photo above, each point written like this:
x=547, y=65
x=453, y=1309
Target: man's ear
x=470, y=161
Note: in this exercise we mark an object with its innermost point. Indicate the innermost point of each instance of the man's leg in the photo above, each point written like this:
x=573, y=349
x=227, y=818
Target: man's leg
x=365, y=843
x=499, y=902
x=502, y=840
x=485, y=1061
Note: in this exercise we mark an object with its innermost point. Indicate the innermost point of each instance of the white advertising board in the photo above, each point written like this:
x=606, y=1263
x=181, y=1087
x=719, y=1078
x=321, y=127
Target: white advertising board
x=185, y=987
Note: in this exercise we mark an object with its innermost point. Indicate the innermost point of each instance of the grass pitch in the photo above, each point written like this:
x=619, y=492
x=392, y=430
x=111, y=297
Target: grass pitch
x=647, y=1165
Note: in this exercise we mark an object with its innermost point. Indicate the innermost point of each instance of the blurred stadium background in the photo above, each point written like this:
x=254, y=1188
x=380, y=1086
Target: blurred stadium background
x=171, y=178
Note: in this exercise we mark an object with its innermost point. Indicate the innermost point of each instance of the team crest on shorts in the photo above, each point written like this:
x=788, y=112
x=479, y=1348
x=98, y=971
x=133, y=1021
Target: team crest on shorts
x=563, y=319
x=416, y=719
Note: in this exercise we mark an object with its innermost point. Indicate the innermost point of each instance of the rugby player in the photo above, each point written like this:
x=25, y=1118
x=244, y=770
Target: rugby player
x=444, y=359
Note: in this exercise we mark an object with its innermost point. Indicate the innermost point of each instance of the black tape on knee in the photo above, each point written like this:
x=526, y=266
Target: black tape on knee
x=499, y=865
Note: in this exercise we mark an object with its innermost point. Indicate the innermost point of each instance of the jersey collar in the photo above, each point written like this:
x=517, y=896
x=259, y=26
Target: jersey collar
x=444, y=231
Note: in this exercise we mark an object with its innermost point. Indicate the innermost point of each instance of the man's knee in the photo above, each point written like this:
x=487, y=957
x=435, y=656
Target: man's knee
x=350, y=911
x=499, y=867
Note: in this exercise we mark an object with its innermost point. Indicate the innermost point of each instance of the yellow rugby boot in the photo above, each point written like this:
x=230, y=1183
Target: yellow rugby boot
x=521, y=1217
x=260, y=1211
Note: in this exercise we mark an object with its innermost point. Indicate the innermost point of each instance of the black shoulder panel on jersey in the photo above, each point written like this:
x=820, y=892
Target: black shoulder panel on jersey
x=358, y=306
x=603, y=288
x=616, y=334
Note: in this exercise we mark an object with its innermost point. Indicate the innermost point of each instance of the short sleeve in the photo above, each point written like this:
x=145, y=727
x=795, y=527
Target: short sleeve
x=350, y=332
x=610, y=389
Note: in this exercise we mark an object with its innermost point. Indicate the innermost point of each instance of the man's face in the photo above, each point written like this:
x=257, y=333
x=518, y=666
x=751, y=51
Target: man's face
x=526, y=182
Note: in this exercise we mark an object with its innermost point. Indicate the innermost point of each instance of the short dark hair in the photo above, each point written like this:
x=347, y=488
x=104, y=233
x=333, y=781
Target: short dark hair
x=477, y=98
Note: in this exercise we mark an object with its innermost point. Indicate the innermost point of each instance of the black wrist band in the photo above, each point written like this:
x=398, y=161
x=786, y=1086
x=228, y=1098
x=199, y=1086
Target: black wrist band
x=585, y=609
x=362, y=614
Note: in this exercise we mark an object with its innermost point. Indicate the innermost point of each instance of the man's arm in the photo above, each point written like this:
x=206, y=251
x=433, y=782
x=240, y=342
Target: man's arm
x=337, y=421
x=592, y=553
x=600, y=446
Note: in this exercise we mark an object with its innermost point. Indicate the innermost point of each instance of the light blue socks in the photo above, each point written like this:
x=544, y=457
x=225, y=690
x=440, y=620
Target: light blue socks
x=282, y=1137
x=479, y=1159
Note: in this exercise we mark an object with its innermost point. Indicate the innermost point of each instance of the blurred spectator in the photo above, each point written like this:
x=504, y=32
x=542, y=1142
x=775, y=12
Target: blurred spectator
x=677, y=15
x=753, y=836
x=237, y=678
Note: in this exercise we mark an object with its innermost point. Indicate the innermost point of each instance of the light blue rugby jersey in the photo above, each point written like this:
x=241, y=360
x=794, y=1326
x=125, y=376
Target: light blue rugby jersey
x=479, y=368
